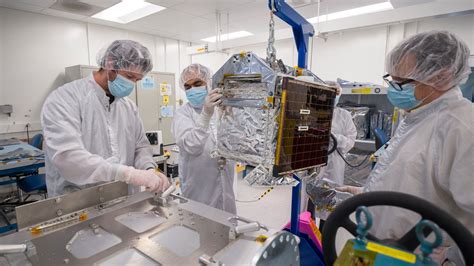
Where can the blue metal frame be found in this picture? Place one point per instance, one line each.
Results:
(8, 228)
(22, 169)
(302, 29)
(295, 207)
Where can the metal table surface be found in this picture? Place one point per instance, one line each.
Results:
(215, 231)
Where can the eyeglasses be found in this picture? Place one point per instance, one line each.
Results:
(396, 85)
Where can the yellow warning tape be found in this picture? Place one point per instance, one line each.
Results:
(391, 252)
(265, 193)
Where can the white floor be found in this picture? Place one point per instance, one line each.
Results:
(273, 209)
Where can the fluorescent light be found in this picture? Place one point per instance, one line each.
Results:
(353, 12)
(229, 36)
(128, 10)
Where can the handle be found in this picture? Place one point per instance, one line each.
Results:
(4, 249)
(246, 228)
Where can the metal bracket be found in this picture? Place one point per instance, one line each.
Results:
(48, 209)
(249, 226)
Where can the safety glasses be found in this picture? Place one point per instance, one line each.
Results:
(395, 84)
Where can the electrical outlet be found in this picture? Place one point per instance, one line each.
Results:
(6, 109)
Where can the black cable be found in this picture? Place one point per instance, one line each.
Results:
(350, 165)
(334, 145)
(334, 148)
(28, 132)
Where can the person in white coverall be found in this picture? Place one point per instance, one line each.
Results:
(93, 133)
(344, 130)
(204, 179)
(431, 154)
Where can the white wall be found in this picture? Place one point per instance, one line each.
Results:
(356, 55)
(462, 26)
(35, 49)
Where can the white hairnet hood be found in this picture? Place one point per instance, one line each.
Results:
(436, 58)
(126, 55)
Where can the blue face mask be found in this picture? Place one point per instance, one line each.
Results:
(196, 96)
(121, 86)
(404, 99)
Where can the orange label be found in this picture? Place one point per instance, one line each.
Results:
(315, 229)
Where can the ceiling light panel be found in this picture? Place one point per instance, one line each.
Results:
(128, 11)
(229, 36)
(353, 12)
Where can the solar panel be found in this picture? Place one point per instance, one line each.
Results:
(304, 126)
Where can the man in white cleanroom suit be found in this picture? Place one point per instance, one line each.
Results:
(204, 179)
(93, 133)
(431, 154)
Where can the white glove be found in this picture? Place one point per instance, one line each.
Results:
(151, 179)
(212, 100)
(351, 189)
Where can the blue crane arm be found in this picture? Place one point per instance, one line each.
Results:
(302, 29)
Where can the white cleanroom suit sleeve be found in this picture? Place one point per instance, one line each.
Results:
(62, 130)
(454, 164)
(143, 152)
(190, 136)
(346, 140)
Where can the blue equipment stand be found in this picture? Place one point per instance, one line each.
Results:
(16, 167)
(302, 30)
(295, 206)
(309, 253)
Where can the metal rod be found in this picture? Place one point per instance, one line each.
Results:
(4, 249)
